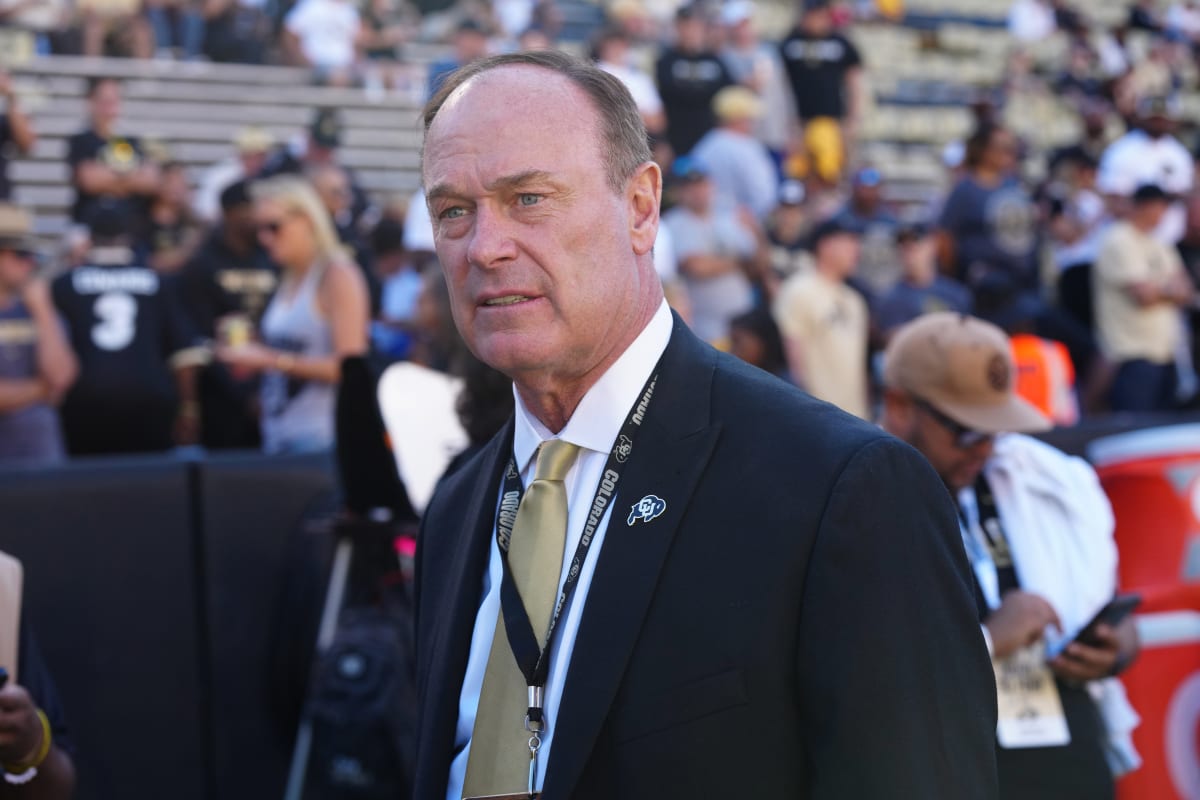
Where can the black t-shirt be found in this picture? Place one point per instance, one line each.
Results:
(125, 321)
(215, 282)
(687, 84)
(120, 153)
(6, 138)
(219, 281)
(817, 67)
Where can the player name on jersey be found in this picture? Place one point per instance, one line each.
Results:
(96, 280)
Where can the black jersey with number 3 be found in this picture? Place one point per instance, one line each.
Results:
(125, 322)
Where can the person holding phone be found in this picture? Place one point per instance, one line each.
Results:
(35, 748)
(1037, 530)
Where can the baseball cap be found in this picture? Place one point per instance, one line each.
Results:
(108, 219)
(736, 12)
(253, 139)
(791, 193)
(1156, 106)
(839, 223)
(235, 195)
(1150, 193)
(16, 229)
(688, 168)
(868, 176)
(963, 367)
(736, 102)
(326, 128)
(911, 232)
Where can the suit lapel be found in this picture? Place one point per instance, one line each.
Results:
(671, 452)
(451, 643)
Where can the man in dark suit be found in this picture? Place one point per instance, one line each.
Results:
(760, 596)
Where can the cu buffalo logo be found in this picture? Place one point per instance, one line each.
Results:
(998, 374)
(647, 509)
(623, 449)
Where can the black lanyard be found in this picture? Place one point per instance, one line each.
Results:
(533, 661)
(994, 536)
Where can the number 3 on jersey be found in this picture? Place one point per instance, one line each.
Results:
(117, 315)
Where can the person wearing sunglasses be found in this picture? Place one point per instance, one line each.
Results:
(37, 364)
(1038, 532)
(319, 315)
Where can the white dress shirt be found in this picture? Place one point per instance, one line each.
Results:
(594, 427)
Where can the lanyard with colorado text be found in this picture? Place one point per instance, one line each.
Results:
(994, 536)
(532, 660)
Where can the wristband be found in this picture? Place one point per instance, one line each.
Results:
(25, 771)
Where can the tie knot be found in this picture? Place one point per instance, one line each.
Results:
(554, 460)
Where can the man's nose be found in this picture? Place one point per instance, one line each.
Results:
(492, 243)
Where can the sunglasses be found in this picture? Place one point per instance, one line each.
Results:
(964, 438)
(273, 227)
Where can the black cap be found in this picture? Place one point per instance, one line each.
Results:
(234, 195)
(107, 220)
(387, 237)
(471, 25)
(911, 232)
(326, 128)
(833, 226)
(1150, 193)
(688, 11)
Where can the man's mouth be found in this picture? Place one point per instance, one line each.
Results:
(506, 300)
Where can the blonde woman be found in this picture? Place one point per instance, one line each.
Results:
(318, 316)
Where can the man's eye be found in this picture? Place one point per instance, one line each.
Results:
(454, 212)
(529, 199)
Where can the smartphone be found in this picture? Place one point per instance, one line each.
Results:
(1112, 615)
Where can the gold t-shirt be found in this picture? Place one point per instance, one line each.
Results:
(827, 320)
(1128, 331)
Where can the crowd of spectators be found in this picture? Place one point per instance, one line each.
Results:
(213, 308)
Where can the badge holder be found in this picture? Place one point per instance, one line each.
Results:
(1030, 710)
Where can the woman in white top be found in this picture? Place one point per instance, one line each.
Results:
(318, 316)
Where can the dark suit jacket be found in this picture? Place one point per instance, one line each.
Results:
(798, 623)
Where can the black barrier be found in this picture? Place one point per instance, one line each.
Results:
(111, 590)
(176, 599)
(264, 571)
(155, 587)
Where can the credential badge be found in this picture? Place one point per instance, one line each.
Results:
(623, 449)
(646, 509)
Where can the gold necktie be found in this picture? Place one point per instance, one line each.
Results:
(499, 759)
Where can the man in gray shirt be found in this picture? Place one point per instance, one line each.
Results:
(714, 249)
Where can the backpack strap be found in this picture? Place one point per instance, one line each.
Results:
(11, 579)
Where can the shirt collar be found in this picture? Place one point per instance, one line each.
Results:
(602, 411)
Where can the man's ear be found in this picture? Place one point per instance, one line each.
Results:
(644, 195)
(898, 412)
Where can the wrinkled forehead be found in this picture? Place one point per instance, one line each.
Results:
(506, 101)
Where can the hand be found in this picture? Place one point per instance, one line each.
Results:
(250, 357)
(1178, 290)
(20, 728)
(1145, 293)
(748, 221)
(1020, 621)
(1092, 661)
(6, 87)
(187, 425)
(36, 296)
